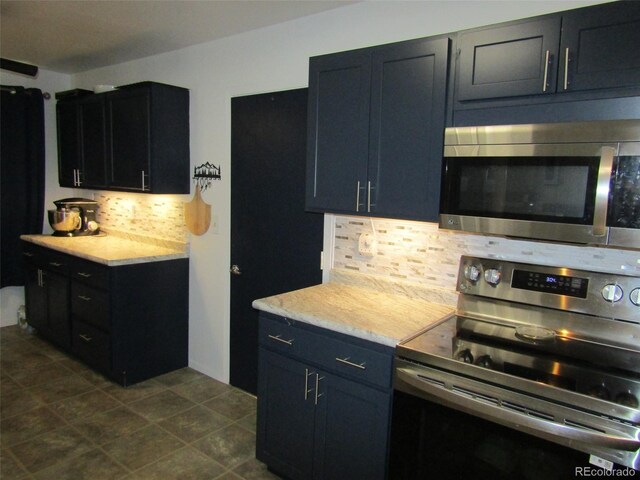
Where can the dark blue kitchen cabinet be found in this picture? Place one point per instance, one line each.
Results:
(376, 120)
(507, 61)
(600, 47)
(135, 138)
(82, 141)
(593, 48)
(338, 131)
(114, 319)
(324, 402)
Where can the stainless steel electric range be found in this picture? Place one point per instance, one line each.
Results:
(550, 355)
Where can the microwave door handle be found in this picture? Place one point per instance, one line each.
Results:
(602, 192)
(552, 430)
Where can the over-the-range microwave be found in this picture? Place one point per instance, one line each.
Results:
(565, 182)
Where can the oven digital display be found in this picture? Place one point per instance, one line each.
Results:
(550, 283)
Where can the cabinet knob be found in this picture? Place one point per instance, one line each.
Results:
(235, 270)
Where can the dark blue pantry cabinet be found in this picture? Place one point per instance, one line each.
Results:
(135, 138)
(128, 322)
(324, 402)
(375, 123)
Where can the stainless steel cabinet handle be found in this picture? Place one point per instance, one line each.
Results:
(318, 395)
(307, 374)
(86, 299)
(368, 196)
(40, 278)
(235, 269)
(75, 177)
(566, 68)
(358, 196)
(27, 254)
(85, 337)
(85, 275)
(79, 182)
(278, 338)
(546, 71)
(145, 187)
(346, 361)
(55, 264)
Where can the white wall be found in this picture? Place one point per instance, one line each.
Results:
(12, 297)
(272, 59)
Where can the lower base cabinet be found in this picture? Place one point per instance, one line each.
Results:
(324, 403)
(128, 322)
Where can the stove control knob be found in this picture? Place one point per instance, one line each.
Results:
(92, 225)
(472, 273)
(612, 293)
(492, 276)
(599, 391)
(627, 399)
(465, 356)
(634, 296)
(485, 361)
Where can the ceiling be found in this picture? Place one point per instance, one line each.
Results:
(71, 36)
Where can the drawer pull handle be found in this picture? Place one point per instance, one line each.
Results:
(346, 361)
(86, 299)
(85, 337)
(307, 374)
(279, 338)
(27, 254)
(55, 264)
(85, 275)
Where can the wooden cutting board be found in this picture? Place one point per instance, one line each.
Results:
(197, 214)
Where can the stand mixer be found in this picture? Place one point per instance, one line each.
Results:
(74, 217)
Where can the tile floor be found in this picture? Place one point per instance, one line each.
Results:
(60, 420)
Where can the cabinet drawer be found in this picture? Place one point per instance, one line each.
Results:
(328, 353)
(91, 345)
(90, 305)
(46, 258)
(91, 273)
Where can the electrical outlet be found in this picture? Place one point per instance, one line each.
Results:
(215, 226)
(367, 245)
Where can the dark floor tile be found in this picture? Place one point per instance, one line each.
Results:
(185, 464)
(194, 423)
(18, 401)
(142, 447)
(202, 390)
(108, 426)
(40, 374)
(249, 422)
(84, 405)
(229, 476)
(25, 426)
(50, 448)
(91, 465)
(230, 446)
(134, 392)
(234, 404)
(15, 359)
(61, 388)
(180, 376)
(255, 470)
(161, 405)
(9, 467)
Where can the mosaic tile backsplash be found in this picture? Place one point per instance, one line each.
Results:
(157, 216)
(422, 254)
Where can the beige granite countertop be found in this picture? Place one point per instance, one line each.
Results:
(110, 249)
(384, 318)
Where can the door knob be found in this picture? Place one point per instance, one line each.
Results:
(235, 269)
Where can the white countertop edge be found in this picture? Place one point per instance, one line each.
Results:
(101, 260)
(324, 323)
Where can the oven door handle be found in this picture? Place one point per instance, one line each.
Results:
(602, 191)
(511, 418)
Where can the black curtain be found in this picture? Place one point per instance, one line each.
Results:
(21, 174)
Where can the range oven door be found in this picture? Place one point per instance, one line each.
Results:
(449, 427)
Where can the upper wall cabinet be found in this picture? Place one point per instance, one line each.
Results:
(134, 139)
(600, 47)
(584, 49)
(376, 121)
